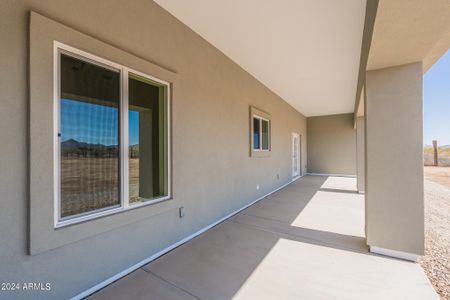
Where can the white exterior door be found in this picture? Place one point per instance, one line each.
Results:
(296, 155)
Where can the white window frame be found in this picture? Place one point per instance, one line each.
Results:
(124, 72)
(255, 116)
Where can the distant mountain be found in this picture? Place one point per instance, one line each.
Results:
(72, 144)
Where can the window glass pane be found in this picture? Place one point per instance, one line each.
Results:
(147, 130)
(265, 135)
(256, 134)
(89, 141)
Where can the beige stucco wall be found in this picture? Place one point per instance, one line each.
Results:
(394, 174)
(360, 139)
(213, 174)
(332, 145)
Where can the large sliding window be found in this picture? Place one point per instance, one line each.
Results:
(112, 137)
(89, 134)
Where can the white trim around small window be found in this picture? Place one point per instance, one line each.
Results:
(260, 133)
(115, 141)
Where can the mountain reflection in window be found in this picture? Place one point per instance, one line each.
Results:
(89, 142)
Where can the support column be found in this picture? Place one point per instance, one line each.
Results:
(394, 161)
(360, 168)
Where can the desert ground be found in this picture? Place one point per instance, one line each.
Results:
(443, 156)
(436, 261)
(88, 183)
(92, 183)
(133, 173)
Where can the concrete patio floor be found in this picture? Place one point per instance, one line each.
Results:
(305, 241)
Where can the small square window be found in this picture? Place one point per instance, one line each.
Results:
(260, 133)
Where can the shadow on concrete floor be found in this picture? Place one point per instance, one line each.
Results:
(304, 241)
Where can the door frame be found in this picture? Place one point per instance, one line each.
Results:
(299, 155)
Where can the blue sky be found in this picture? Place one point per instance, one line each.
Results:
(94, 124)
(436, 102)
(133, 127)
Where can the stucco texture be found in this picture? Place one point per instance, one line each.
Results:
(212, 172)
(360, 149)
(332, 145)
(394, 159)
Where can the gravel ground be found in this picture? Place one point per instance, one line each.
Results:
(436, 261)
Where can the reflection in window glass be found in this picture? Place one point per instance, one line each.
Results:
(256, 135)
(147, 132)
(265, 134)
(89, 136)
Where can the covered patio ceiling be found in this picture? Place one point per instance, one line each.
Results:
(408, 31)
(306, 51)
